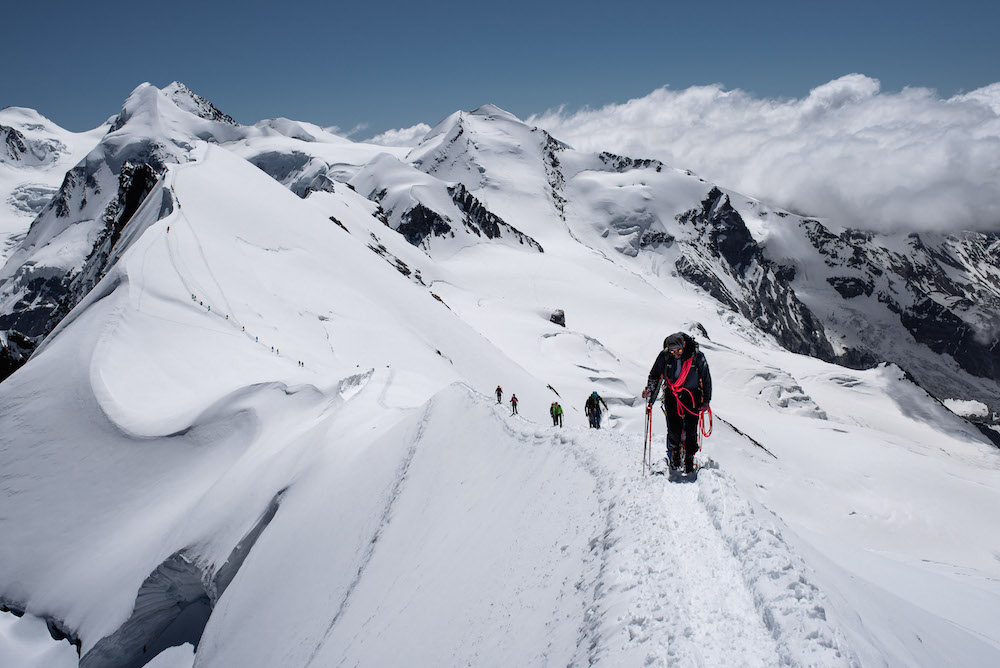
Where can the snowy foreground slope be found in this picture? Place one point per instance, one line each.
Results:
(269, 432)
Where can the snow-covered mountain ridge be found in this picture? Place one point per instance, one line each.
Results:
(261, 370)
(35, 155)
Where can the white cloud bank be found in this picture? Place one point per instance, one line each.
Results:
(402, 137)
(884, 161)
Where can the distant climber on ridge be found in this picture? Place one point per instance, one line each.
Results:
(499, 395)
(556, 411)
(513, 404)
(593, 409)
(683, 371)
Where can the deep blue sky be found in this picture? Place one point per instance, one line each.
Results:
(395, 64)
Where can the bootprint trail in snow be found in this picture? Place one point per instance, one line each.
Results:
(689, 575)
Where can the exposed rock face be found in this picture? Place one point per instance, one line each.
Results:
(851, 287)
(16, 149)
(941, 290)
(945, 292)
(135, 182)
(189, 101)
(13, 144)
(97, 200)
(725, 260)
(15, 353)
(44, 295)
(557, 182)
(621, 163)
(420, 223)
(558, 317)
(480, 221)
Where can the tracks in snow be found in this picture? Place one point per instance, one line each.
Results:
(688, 574)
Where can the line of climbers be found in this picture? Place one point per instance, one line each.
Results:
(592, 408)
(681, 370)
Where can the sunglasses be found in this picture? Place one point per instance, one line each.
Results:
(674, 351)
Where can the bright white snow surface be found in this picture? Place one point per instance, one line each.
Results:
(250, 363)
(29, 180)
(967, 408)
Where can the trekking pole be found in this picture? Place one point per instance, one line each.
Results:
(645, 443)
(647, 451)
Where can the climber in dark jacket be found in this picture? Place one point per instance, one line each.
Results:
(683, 372)
(592, 407)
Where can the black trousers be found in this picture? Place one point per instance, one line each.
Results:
(686, 421)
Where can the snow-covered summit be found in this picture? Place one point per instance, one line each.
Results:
(493, 112)
(189, 101)
(174, 112)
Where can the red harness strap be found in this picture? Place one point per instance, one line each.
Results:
(677, 387)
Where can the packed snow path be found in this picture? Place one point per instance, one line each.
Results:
(598, 563)
(690, 575)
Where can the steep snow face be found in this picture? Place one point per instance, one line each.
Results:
(303, 156)
(507, 165)
(25, 641)
(439, 217)
(35, 154)
(71, 242)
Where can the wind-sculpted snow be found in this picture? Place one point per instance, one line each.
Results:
(780, 391)
(462, 524)
(587, 562)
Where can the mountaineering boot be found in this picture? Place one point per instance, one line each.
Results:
(675, 457)
(689, 464)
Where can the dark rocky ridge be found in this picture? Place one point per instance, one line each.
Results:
(621, 163)
(553, 172)
(41, 295)
(187, 99)
(13, 143)
(946, 293)
(48, 294)
(420, 223)
(724, 243)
